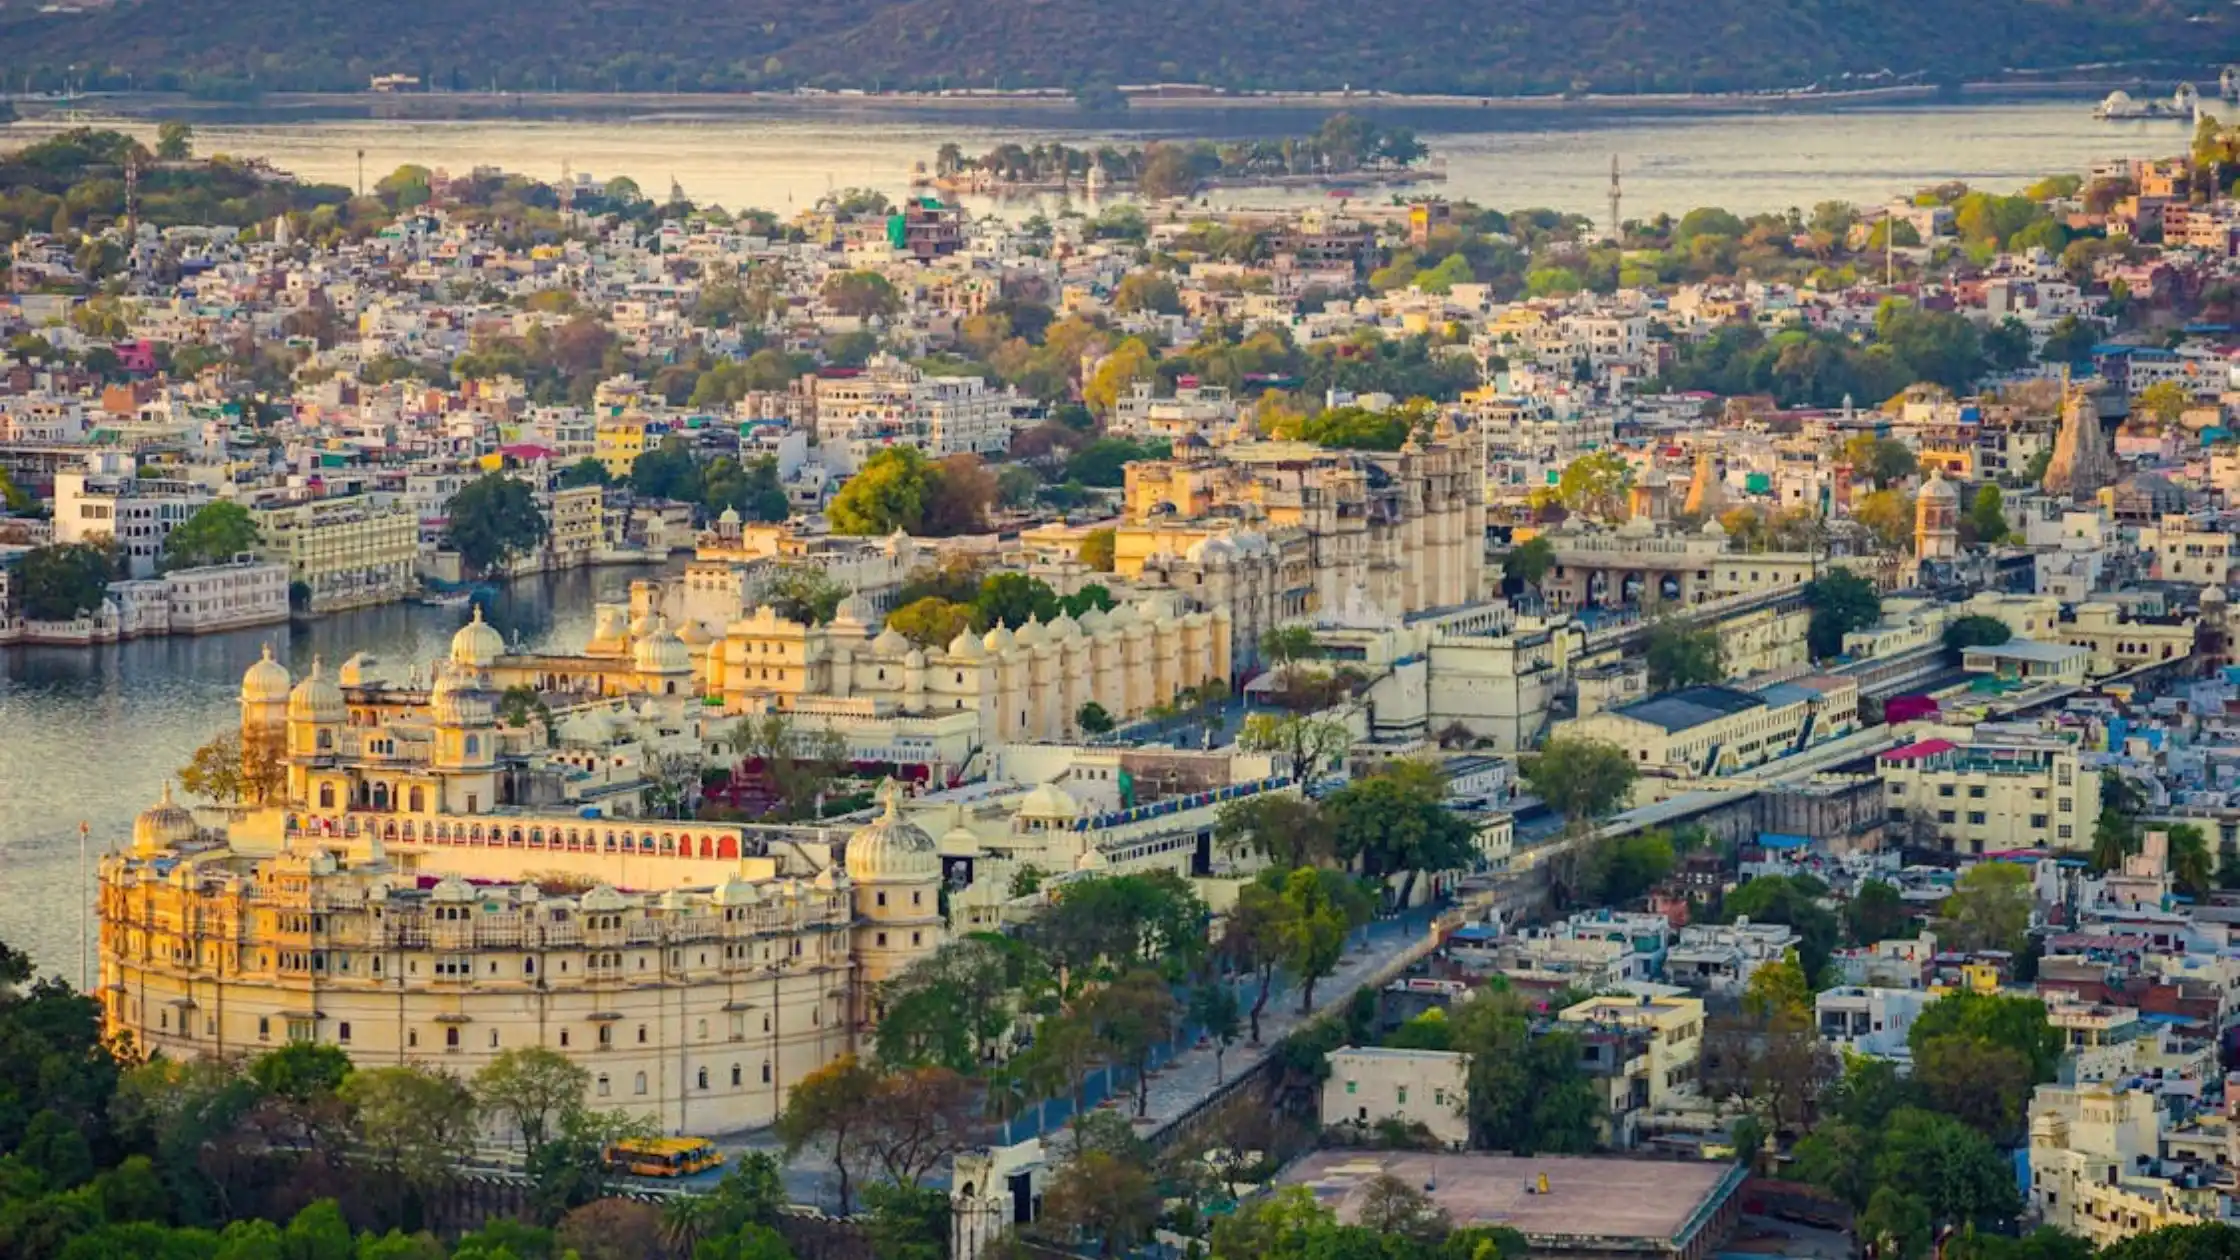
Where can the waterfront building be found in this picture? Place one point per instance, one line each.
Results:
(105, 497)
(349, 550)
(420, 883)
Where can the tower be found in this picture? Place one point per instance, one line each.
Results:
(894, 877)
(1706, 498)
(2082, 464)
(1617, 225)
(1936, 520)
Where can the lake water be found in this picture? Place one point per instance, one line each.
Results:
(89, 735)
(1513, 158)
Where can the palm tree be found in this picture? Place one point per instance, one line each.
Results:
(685, 1220)
(2192, 868)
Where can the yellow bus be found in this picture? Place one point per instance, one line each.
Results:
(663, 1157)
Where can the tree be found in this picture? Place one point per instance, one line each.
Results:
(831, 1106)
(915, 1120)
(1011, 600)
(531, 1088)
(1581, 779)
(1841, 602)
(494, 518)
(1133, 1016)
(1527, 563)
(521, 704)
(1889, 514)
(1974, 631)
(216, 533)
(2191, 863)
(959, 494)
(223, 772)
(1952, 1170)
(888, 493)
(2162, 402)
(1290, 831)
(907, 1222)
(1092, 719)
(585, 472)
(932, 623)
(1989, 908)
(2017, 1023)
(1977, 1081)
(1987, 515)
(1396, 820)
(1321, 906)
(1778, 988)
(611, 1229)
(1097, 549)
(1147, 291)
(63, 581)
(1311, 743)
(408, 1121)
(1099, 1196)
(1523, 1092)
(1622, 868)
(1681, 657)
(803, 594)
(668, 471)
(861, 294)
(300, 1071)
(1876, 912)
(1595, 485)
(1219, 1017)
(174, 140)
(1129, 362)
(1392, 1207)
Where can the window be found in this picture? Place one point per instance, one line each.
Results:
(1944, 815)
(563, 1039)
(2038, 820)
(342, 1032)
(2067, 831)
(766, 1071)
(450, 1038)
(1975, 818)
(606, 1035)
(703, 1078)
(882, 940)
(606, 1087)
(1944, 789)
(1975, 792)
(881, 899)
(638, 1085)
(1401, 1095)
(1352, 1086)
(738, 1077)
(641, 1034)
(264, 1028)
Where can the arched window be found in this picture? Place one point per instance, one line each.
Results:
(738, 1078)
(639, 1085)
(326, 796)
(766, 1071)
(703, 1078)
(419, 799)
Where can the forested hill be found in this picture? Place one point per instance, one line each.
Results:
(232, 47)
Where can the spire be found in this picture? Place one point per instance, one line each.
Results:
(2081, 463)
(1705, 497)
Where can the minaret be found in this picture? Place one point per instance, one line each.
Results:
(1936, 519)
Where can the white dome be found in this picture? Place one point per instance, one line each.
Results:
(452, 890)
(1049, 802)
(1936, 487)
(692, 634)
(661, 652)
(737, 892)
(1211, 551)
(478, 643)
(1065, 627)
(1031, 633)
(266, 682)
(890, 643)
(1094, 621)
(604, 898)
(892, 847)
(317, 699)
(965, 647)
(853, 610)
(998, 639)
(164, 825)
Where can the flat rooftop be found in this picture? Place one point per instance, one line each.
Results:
(1635, 1204)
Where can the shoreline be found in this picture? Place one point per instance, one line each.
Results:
(286, 107)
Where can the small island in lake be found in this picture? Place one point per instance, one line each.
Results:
(1346, 151)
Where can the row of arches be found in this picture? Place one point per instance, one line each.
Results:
(664, 843)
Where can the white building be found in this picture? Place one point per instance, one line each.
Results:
(894, 404)
(105, 498)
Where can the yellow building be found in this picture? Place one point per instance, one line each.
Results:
(618, 441)
(351, 550)
(578, 518)
(1992, 797)
(1675, 1029)
(2120, 643)
(2187, 551)
(2089, 1148)
(391, 898)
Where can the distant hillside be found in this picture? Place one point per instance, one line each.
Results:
(224, 47)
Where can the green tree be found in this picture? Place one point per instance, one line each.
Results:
(301, 1071)
(1595, 485)
(1147, 291)
(1093, 720)
(1528, 562)
(2162, 402)
(1524, 1091)
(1876, 912)
(530, 1089)
(63, 581)
(2017, 1023)
(1778, 988)
(1841, 602)
(1322, 907)
(1101, 1200)
(1682, 657)
(1989, 908)
(409, 1121)
(217, 532)
(831, 1106)
(174, 140)
(1794, 902)
(888, 493)
(1988, 514)
(584, 472)
(798, 767)
(1974, 631)
(861, 294)
(1396, 820)
(1132, 1017)
(2192, 865)
(932, 623)
(803, 594)
(1010, 599)
(494, 519)
(1581, 779)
